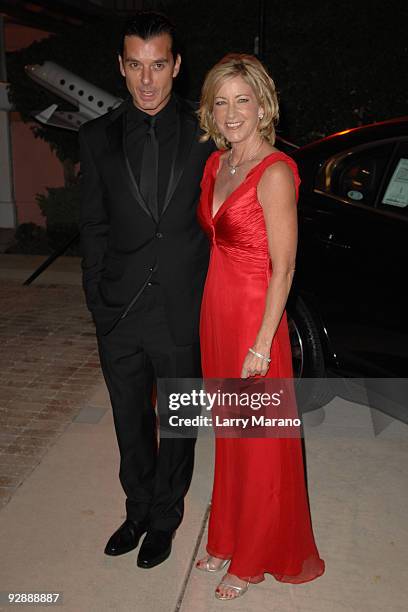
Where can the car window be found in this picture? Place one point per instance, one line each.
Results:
(355, 176)
(395, 194)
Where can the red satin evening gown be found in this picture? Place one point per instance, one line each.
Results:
(259, 513)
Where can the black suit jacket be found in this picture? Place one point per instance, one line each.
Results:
(122, 244)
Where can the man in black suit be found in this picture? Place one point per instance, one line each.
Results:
(144, 264)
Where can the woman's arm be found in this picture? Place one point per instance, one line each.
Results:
(277, 196)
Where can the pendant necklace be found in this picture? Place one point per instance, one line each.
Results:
(233, 167)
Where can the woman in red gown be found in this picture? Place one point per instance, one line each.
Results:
(259, 521)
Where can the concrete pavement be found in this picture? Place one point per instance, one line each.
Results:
(55, 525)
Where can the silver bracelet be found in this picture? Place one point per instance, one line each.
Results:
(268, 359)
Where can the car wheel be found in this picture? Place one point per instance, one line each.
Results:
(308, 357)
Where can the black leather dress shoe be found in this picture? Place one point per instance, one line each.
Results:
(155, 548)
(125, 538)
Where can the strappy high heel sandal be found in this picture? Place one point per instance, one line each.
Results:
(239, 590)
(207, 565)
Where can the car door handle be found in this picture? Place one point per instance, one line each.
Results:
(330, 241)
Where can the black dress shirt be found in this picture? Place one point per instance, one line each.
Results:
(136, 129)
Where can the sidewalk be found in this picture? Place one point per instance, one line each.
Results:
(54, 525)
(48, 362)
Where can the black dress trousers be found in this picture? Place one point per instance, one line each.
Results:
(155, 477)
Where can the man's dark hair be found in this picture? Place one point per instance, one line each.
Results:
(146, 25)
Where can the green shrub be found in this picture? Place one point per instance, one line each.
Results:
(29, 239)
(32, 239)
(59, 234)
(61, 205)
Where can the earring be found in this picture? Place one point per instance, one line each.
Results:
(260, 116)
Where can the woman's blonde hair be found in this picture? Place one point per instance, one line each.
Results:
(254, 73)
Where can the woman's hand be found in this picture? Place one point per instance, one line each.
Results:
(254, 365)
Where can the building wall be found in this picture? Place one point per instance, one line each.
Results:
(35, 166)
(19, 36)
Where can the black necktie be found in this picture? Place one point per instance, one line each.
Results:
(149, 173)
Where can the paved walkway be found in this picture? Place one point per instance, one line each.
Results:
(48, 367)
(62, 498)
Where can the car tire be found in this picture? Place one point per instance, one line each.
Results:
(308, 358)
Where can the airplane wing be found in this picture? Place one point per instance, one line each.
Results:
(62, 119)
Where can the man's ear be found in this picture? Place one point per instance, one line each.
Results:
(121, 67)
(177, 64)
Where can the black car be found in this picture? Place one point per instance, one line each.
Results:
(349, 302)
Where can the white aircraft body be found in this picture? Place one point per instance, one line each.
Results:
(90, 100)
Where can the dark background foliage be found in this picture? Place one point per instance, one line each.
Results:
(336, 64)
